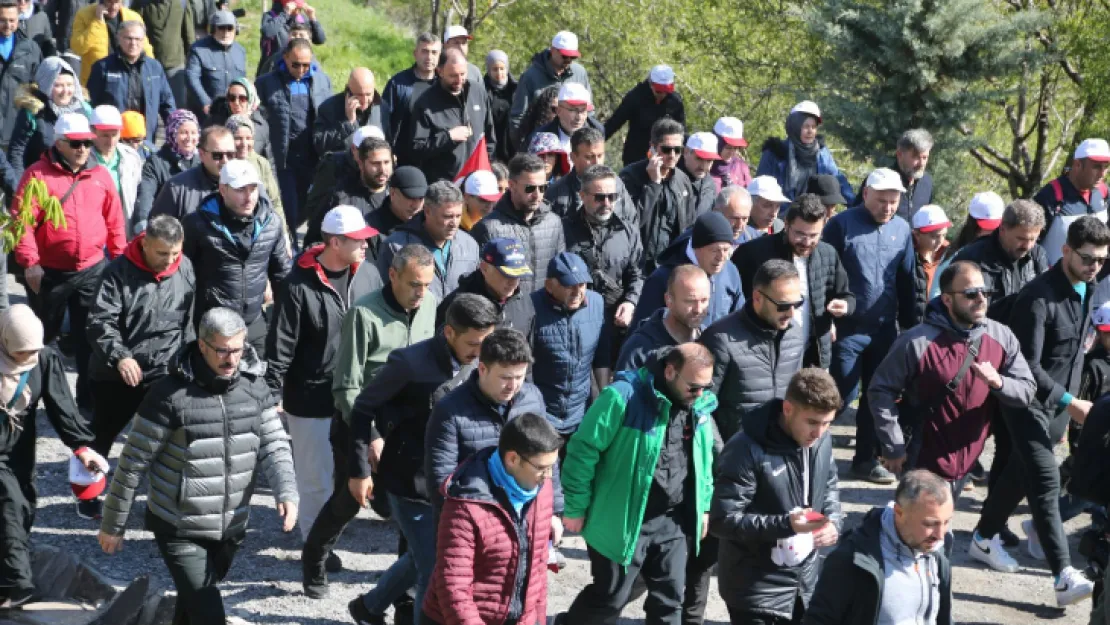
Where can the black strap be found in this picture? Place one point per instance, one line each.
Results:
(972, 353)
(71, 189)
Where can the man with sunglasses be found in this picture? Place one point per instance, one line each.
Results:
(586, 149)
(1051, 319)
(638, 479)
(524, 215)
(215, 61)
(62, 266)
(924, 389)
(132, 80)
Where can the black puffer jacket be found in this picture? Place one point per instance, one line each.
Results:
(462, 260)
(139, 314)
(666, 210)
(752, 364)
(542, 236)
(640, 111)
(613, 253)
(827, 281)
(157, 170)
(227, 274)
(19, 69)
(516, 313)
(200, 437)
(303, 341)
(760, 479)
(1002, 274)
(705, 190)
(435, 113)
(500, 102)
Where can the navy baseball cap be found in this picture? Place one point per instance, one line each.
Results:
(508, 256)
(569, 269)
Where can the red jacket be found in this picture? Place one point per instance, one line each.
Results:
(477, 552)
(94, 219)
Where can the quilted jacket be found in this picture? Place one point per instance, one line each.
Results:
(567, 346)
(542, 236)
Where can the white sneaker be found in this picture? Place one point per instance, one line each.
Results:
(1033, 542)
(991, 553)
(1073, 587)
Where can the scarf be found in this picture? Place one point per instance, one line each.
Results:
(252, 95)
(235, 122)
(20, 330)
(501, 478)
(176, 119)
(803, 157)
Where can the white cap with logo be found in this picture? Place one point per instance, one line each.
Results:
(483, 184)
(883, 179)
(347, 221)
(767, 188)
(238, 174)
(731, 131)
(704, 145)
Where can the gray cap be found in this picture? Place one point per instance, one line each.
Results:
(222, 18)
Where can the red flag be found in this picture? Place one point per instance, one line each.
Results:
(478, 159)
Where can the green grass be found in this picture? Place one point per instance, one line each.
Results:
(357, 35)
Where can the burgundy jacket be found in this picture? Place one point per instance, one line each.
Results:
(477, 552)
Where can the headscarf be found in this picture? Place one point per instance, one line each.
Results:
(543, 143)
(803, 165)
(252, 95)
(47, 73)
(20, 330)
(235, 122)
(176, 119)
(498, 56)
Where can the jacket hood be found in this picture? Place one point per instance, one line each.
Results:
(653, 327)
(675, 254)
(134, 253)
(471, 480)
(937, 315)
(250, 364)
(310, 260)
(762, 425)
(779, 148)
(29, 98)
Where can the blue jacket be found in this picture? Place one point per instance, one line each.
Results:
(211, 68)
(275, 32)
(567, 346)
(880, 263)
(108, 84)
(273, 91)
(774, 162)
(726, 291)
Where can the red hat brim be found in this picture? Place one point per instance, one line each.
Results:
(663, 88)
(736, 142)
(85, 492)
(989, 224)
(362, 234)
(935, 227)
(79, 136)
(569, 53)
(706, 154)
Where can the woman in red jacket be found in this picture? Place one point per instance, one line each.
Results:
(491, 551)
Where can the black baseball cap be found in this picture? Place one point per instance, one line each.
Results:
(410, 181)
(826, 186)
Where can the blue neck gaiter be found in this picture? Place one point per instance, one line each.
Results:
(501, 478)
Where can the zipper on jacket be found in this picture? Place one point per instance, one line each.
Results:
(227, 467)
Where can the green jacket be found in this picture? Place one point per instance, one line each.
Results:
(169, 26)
(371, 329)
(611, 461)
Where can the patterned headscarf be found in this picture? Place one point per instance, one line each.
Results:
(547, 143)
(176, 119)
(252, 95)
(235, 122)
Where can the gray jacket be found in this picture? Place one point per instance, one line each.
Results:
(752, 364)
(199, 437)
(211, 67)
(539, 76)
(462, 260)
(542, 236)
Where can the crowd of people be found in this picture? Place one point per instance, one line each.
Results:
(265, 274)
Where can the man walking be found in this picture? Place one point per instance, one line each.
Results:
(1079, 192)
(685, 305)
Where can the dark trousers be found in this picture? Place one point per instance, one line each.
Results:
(699, 574)
(1031, 473)
(855, 359)
(114, 405)
(256, 335)
(196, 566)
(73, 291)
(1002, 448)
(294, 183)
(17, 514)
(660, 558)
(751, 618)
(340, 509)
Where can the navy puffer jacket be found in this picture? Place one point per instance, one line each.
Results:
(273, 91)
(565, 347)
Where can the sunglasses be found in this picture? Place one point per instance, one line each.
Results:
(696, 388)
(975, 292)
(669, 149)
(532, 188)
(606, 197)
(222, 156)
(1089, 260)
(784, 306)
(237, 98)
(78, 144)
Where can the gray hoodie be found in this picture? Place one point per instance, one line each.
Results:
(911, 592)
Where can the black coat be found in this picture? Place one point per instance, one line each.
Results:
(18, 70)
(541, 236)
(159, 168)
(331, 130)
(613, 253)
(516, 313)
(751, 508)
(647, 337)
(227, 274)
(565, 202)
(48, 384)
(218, 114)
(640, 110)
(827, 281)
(850, 589)
(705, 190)
(666, 210)
(435, 114)
(500, 102)
(303, 341)
(38, 28)
(1002, 274)
(136, 315)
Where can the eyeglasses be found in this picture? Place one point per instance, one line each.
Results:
(238, 98)
(784, 306)
(544, 471)
(575, 110)
(974, 292)
(669, 149)
(224, 352)
(532, 188)
(79, 144)
(606, 197)
(221, 156)
(1089, 260)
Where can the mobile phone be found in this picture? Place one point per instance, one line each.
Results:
(814, 516)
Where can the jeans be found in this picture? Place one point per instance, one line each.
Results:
(855, 359)
(1031, 473)
(196, 566)
(416, 520)
(73, 291)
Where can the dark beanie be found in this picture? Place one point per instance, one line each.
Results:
(711, 227)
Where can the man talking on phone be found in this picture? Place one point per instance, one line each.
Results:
(776, 502)
(342, 114)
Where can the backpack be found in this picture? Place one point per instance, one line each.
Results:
(1058, 194)
(1090, 473)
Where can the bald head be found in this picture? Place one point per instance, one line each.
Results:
(452, 70)
(361, 89)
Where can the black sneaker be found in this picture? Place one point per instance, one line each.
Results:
(91, 509)
(873, 472)
(17, 598)
(979, 475)
(1009, 539)
(404, 613)
(333, 564)
(315, 579)
(357, 609)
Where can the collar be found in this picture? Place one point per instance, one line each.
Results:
(690, 252)
(111, 164)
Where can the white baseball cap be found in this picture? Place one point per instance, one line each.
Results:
(455, 31)
(483, 184)
(74, 126)
(107, 117)
(767, 188)
(731, 131)
(986, 209)
(662, 78)
(704, 145)
(347, 221)
(238, 174)
(930, 218)
(808, 107)
(883, 179)
(575, 94)
(1101, 318)
(566, 43)
(364, 133)
(1094, 149)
